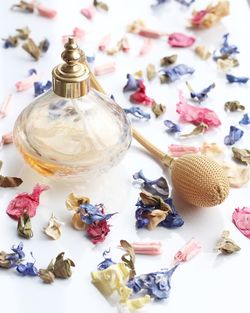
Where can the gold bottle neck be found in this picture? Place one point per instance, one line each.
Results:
(72, 78)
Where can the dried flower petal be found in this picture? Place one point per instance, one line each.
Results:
(226, 64)
(24, 228)
(24, 6)
(226, 245)
(151, 71)
(173, 219)
(146, 47)
(136, 26)
(25, 202)
(105, 68)
(33, 50)
(140, 97)
(180, 40)
(138, 113)
(242, 155)
(211, 149)
(245, 120)
(175, 73)
(44, 45)
(202, 95)
(156, 284)
(73, 201)
(168, 60)
(150, 33)
(171, 126)
(132, 83)
(158, 109)
(61, 267)
(233, 106)
(129, 258)
(23, 33)
(196, 115)
(77, 222)
(234, 79)
(147, 248)
(241, 219)
(39, 88)
(198, 130)
(180, 150)
(27, 269)
(237, 175)
(53, 229)
(191, 249)
(106, 263)
(88, 12)
(202, 52)
(27, 82)
(234, 135)
(46, 12)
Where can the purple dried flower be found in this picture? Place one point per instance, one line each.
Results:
(173, 219)
(202, 95)
(234, 79)
(132, 83)
(172, 127)
(137, 112)
(40, 88)
(174, 73)
(107, 261)
(32, 71)
(234, 135)
(93, 213)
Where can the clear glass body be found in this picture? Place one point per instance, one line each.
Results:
(72, 137)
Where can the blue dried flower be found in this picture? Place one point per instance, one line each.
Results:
(158, 187)
(93, 213)
(27, 269)
(158, 2)
(40, 88)
(245, 120)
(202, 95)
(156, 284)
(132, 83)
(18, 254)
(44, 45)
(173, 219)
(137, 112)
(234, 79)
(234, 135)
(107, 261)
(171, 127)
(226, 48)
(175, 73)
(32, 71)
(140, 214)
(90, 58)
(187, 3)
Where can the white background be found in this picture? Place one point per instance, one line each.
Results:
(208, 283)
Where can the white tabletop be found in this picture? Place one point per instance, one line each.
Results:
(208, 283)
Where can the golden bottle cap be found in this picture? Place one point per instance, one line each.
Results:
(71, 79)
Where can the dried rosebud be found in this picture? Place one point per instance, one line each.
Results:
(32, 49)
(24, 228)
(62, 268)
(101, 5)
(169, 60)
(226, 245)
(233, 106)
(151, 71)
(47, 276)
(158, 109)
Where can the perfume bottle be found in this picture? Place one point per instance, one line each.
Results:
(72, 130)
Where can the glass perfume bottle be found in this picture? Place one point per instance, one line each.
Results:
(72, 130)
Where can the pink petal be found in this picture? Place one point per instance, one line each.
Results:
(241, 219)
(7, 138)
(179, 150)
(149, 248)
(5, 106)
(88, 12)
(104, 42)
(150, 33)
(125, 44)
(79, 33)
(180, 40)
(26, 83)
(196, 115)
(105, 68)
(191, 249)
(46, 12)
(198, 17)
(146, 47)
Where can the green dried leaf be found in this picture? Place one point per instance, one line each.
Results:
(101, 5)
(129, 257)
(198, 130)
(62, 268)
(158, 109)
(23, 33)
(151, 71)
(24, 228)
(166, 61)
(233, 106)
(226, 245)
(32, 49)
(242, 155)
(156, 201)
(24, 6)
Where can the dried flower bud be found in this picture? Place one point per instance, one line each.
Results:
(47, 276)
(62, 268)
(198, 130)
(151, 71)
(166, 61)
(101, 5)
(10, 42)
(202, 52)
(242, 155)
(226, 245)
(4, 262)
(24, 6)
(32, 49)
(158, 109)
(233, 106)
(24, 228)
(23, 33)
